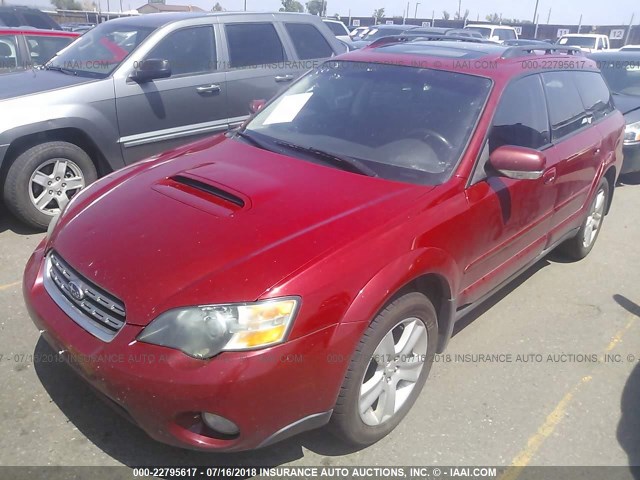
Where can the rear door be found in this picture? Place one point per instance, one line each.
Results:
(508, 219)
(163, 113)
(576, 152)
(258, 64)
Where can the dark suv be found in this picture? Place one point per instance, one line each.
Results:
(18, 16)
(307, 268)
(133, 87)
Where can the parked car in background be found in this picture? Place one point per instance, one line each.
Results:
(496, 33)
(22, 48)
(77, 27)
(589, 42)
(307, 268)
(338, 28)
(621, 70)
(133, 87)
(459, 32)
(630, 48)
(380, 31)
(358, 32)
(18, 16)
(525, 42)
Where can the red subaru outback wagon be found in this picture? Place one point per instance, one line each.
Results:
(305, 269)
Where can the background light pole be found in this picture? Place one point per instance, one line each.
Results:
(535, 11)
(414, 16)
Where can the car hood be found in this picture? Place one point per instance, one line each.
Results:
(27, 82)
(222, 222)
(626, 103)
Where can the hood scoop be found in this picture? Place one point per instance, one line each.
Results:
(209, 188)
(203, 194)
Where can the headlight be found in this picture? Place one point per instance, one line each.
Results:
(207, 330)
(632, 133)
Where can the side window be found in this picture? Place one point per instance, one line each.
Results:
(189, 51)
(565, 105)
(308, 41)
(8, 52)
(9, 19)
(37, 21)
(252, 44)
(594, 92)
(42, 49)
(521, 117)
(505, 34)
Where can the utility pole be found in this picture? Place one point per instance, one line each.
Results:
(245, 5)
(626, 40)
(535, 11)
(459, 8)
(580, 23)
(549, 16)
(406, 14)
(414, 16)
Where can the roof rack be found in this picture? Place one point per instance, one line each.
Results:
(522, 50)
(405, 38)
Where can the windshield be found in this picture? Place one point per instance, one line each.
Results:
(622, 76)
(406, 124)
(585, 42)
(484, 31)
(99, 51)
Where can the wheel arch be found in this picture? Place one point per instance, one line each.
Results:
(430, 271)
(610, 175)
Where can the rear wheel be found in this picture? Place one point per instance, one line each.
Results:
(387, 371)
(43, 179)
(581, 244)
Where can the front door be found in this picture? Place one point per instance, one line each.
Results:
(160, 114)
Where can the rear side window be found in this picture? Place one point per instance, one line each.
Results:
(337, 28)
(521, 118)
(8, 53)
(308, 41)
(594, 92)
(42, 49)
(253, 44)
(565, 105)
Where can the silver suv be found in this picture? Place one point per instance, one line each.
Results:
(133, 87)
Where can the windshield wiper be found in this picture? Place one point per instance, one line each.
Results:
(66, 71)
(251, 139)
(345, 163)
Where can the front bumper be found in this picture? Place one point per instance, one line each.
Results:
(631, 162)
(270, 393)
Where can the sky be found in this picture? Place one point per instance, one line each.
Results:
(595, 12)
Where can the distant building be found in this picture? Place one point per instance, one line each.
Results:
(161, 7)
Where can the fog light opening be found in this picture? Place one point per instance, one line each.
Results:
(220, 424)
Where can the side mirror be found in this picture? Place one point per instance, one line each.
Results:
(151, 69)
(256, 105)
(519, 163)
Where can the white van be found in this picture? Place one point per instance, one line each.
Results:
(496, 33)
(589, 42)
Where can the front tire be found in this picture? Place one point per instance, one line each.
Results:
(387, 371)
(42, 180)
(580, 245)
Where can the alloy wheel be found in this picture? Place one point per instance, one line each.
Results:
(53, 183)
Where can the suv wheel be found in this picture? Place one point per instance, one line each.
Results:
(42, 180)
(581, 244)
(387, 371)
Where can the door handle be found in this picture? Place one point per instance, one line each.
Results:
(284, 78)
(549, 176)
(208, 89)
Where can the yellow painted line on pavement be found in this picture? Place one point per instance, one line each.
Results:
(9, 285)
(555, 417)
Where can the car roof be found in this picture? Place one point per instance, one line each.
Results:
(484, 59)
(36, 31)
(620, 55)
(488, 25)
(164, 18)
(586, 35)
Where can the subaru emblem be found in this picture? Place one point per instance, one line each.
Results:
(75, 290)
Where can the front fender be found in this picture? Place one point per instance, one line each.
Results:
(402, 271)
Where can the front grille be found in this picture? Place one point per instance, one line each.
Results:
(97, 311)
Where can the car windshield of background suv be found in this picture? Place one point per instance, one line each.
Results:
(622, 77)
(404, 123)
(99, 51)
